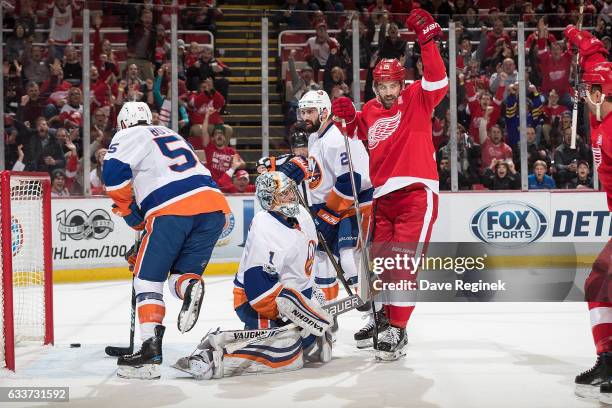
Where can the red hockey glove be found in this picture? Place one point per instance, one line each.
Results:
(423, 24)
(343, 108)
(587, 44)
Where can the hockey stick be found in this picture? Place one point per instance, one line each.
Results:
(364, 252)
(576, 82)
(115, 351)
(323, 243)
(335, 308)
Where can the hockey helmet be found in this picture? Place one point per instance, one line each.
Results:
(299, 137)
(389, 70)
(318, 100)
(134, 113)
(276, 192)
(599, 74)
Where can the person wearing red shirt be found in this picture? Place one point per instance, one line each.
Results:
(483, 106)
(553, 112)
(403, 170)
(199, 103)
(220, 158)
(494, 35)
(597, 75)
(239, 184)
(555, 66)
(492, 146)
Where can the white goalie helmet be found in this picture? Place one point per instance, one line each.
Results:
(134, 113)
(318, 100)
(276, 192)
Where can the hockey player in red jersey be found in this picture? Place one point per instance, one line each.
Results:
(597, 76)
(397, 126)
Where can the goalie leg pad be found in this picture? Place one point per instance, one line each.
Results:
(302, 311)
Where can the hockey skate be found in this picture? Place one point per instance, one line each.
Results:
(192, 302)
(363, 337)
(144, 364)
(392, 344)
(589, 382)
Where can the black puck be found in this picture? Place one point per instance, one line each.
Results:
(75, 345)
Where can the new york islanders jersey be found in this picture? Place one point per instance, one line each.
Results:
(328, 163)
(160, 170)
(283, 250)
(400, 138)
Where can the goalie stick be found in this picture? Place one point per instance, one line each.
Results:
(116, 351)
(577, 82)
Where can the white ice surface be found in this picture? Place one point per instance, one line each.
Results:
(460, 355)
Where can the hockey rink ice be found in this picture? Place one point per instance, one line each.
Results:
(459, 355)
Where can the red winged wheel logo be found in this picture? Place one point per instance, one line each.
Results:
(382, 129)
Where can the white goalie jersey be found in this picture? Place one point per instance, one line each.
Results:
(281, 248)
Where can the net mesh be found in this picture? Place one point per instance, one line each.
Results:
(28, 260)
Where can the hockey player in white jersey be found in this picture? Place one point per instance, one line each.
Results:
(272, 289)
(330, 191)
(158, 184)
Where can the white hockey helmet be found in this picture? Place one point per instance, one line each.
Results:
(276, 192)
(318, 100)
(134, 113)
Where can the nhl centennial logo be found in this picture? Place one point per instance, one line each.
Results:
(77, 224)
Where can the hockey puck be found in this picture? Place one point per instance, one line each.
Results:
(75, 345)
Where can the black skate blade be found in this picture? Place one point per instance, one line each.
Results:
(118, 351)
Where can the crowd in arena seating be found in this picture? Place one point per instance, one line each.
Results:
(487, 80)
(43, 79)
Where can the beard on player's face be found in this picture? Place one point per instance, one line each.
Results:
(312, 126)
(388, 101)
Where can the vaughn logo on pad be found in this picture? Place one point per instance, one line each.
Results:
(511, 223)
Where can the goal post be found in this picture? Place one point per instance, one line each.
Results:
(26, 291)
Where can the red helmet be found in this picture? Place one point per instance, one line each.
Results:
(389, 70)
(599, 74)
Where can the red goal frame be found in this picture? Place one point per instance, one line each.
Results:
(7, 261)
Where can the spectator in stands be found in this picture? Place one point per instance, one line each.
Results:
(345, 39)
(391, 45)
(70, 114)
(239, 184)
(493, 148)
(471, 20)
(501, 175)
(11, 97)
(204, 108)
(300, 84)
(31, 105)
(553, 112)
(497, 33)
(162, 47)
(334, 83)
(34, 68)
(203, 16)
(73, 71)
(135, 85)
(42, 150)
(555, 66)
(293, 14)
(468, 156)
(318, 48)
(583, 178)
(482, 107)
(142, 37)
(95, 176)
(377, 27)
(506, 73)
(220, 158)
(539, 180)
(400, 10)
(60, 32)
(566, 158)
(200, 66)
(101, 120)
(444, 175)
(15, 44)
(103, 55)
(535, 151)
(164, 103)
(58, 184)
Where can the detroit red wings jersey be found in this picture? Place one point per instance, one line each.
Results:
(400, 138)
(601, 134)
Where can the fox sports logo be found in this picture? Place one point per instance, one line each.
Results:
(509, 224)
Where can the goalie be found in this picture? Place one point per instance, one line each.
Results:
(272, 294)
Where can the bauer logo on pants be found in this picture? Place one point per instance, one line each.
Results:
(509, 224)
(77, 224)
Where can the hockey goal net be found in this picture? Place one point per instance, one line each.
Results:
(25, 238)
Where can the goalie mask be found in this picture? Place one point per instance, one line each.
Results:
(276, 192)
(318, 100)
(133, 114)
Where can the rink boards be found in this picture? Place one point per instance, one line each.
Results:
(89, 241)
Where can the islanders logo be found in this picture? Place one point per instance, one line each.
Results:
(225, 238)
(316, 175)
